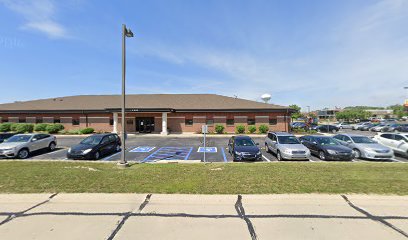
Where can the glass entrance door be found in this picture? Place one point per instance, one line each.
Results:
(145, 124)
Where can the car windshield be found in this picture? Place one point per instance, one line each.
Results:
(326, 141)
(288, 140)
(244, 142)
(92, 140)
(362, 140)
(19, 138)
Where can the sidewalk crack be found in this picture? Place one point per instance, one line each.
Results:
(373, 217)
(241, 213)
(127, 215)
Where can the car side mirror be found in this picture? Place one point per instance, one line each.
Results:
(349, 141)
(34, 139)
(315, 143)
(257, 143)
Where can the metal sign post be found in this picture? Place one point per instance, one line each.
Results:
(204, 130)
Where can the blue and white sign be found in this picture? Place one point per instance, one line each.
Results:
(207, 149)
(142, 149)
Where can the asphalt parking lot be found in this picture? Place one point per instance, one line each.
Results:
(147, 149)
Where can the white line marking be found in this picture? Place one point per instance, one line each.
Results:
(266, 158)
(109, 157)
(52, 152)
(396, 160)
(311, 160)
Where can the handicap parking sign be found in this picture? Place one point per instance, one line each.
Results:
(142, 149)
(207, 149)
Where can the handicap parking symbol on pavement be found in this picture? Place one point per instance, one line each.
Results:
(207, 149)
(142, 149)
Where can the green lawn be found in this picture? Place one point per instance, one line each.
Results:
(260, 178)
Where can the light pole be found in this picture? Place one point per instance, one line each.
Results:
(125, 33)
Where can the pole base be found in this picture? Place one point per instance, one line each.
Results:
(123, 165)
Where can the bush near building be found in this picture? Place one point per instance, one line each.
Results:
(24, 128)
(5, 127)
(54, 128)
(87, 131)
(219, 129)
(41, 127)
(240, 129)
(263, 128)
(251, 128)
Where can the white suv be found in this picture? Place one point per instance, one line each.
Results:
(396, 141)
(21, 145)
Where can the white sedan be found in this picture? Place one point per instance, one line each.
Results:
(396, 141)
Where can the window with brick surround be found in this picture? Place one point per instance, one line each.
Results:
(38, 120)
(230, 122)
(273, 121)
(189, 122)
(57, 120)
(210, 122)
(251, 121)
(21, 120)
(75, 121)
(111, 121)
(4, 120)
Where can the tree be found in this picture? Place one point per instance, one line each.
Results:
(352, 114)
(398, 110)
(297, 114)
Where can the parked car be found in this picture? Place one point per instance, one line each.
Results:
(357, 126)
(344, 125)
(243, 148)
(365, 147)
(378, 127)
(327, 148)
(21, 145)
(95, 146)
(286, 146)
(327, 128)
(367, 127)
(5, 136)
(301, 125)
(390, 128)
(398, 142)
(402, 128)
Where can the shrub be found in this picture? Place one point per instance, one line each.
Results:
(240, 129)
(5, 127)
(219, 129)
(42, 127)
(54, 128)
(263, 128)
(13, 127)
(24, 127)
(87, 130)
(75, 132)
(251, 128)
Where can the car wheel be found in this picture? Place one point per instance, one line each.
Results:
(23, 154)
(97, 155)
(322, 156)
(279, 156)
(52, 146)
(117, 148)
(357, 153)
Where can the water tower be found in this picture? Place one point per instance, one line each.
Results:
(266, 97)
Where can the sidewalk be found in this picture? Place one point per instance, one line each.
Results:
(146, 216)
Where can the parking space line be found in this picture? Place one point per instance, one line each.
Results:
(223, 154)
(188, 154)
(49, 152)
(268, 160)
(111, 156)
(396, 160)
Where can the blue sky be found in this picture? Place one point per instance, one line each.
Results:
(318, 53)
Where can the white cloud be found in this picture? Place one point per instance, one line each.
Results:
(366, 63)
(39, 16)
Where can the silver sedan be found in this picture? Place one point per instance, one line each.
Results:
(365, 147)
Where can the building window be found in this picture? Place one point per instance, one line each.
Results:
(129, 121)
(75, 121)
(38, 120)
(4, 120)
(273, 121)
(230, 122)
(21, 120)
(251, 121)
(57, 120)
(111, 121)
(210, 122)
(189, 122)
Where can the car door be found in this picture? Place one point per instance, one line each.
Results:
(35, 143)
(231, 146)
(399, 143)
(274, 143)
(386, 140)
(112, 143)
(44, 141)
(104, 145)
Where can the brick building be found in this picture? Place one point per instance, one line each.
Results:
(159, 113)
